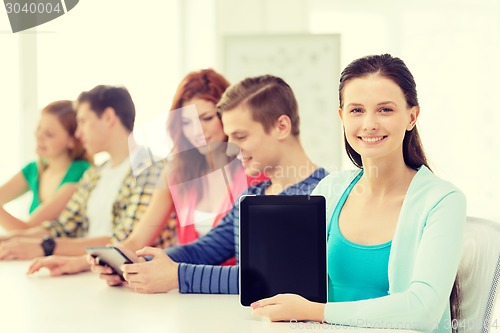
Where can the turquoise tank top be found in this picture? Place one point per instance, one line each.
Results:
(355, 272)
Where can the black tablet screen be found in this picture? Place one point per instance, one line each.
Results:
(283, 247)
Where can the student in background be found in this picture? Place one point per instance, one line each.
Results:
(109, 200)
(199, 149)
(52, 179)
(395, 229)
(260, 115)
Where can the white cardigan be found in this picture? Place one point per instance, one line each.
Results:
(423, 260)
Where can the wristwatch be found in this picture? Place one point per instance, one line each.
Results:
(48, 245)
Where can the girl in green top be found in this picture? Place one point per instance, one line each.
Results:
(52, 179)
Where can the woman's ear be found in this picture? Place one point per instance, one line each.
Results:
(414, 112)
(340, 114)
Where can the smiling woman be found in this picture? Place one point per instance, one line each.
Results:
(371, 127)
(51, 179)
(394, 228)
(394, 91)
(199, 151)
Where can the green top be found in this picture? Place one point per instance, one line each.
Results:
(73, 175)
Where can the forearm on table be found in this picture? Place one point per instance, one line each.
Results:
(316, 312)
(83, 264)
(77, 246)
(9, 222)
(208, 279)
(35, 232)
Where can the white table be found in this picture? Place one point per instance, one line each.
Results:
(84, 303)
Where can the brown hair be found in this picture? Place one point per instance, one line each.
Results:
(187, 162)
(267, 97)
(395, 70)
(118, 98)
(66, 115)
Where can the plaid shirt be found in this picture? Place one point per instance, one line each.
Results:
(130, 204)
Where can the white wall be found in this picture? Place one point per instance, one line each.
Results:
(12, 133)
(453, 51)
(9, 85)
(198, 28)
(285, 57)
(451, 46)
(117, 42)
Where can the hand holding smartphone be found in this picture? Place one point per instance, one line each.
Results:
(110, 256)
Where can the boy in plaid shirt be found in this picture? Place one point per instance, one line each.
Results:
(109, 199)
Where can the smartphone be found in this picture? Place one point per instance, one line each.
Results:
(110, 256)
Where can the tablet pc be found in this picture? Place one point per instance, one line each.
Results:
(110, 256)
(283, 247)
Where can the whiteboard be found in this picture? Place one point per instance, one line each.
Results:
(310, 64)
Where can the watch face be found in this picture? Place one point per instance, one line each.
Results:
(48, 245)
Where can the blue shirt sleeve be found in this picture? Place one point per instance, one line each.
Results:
(208, 279)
